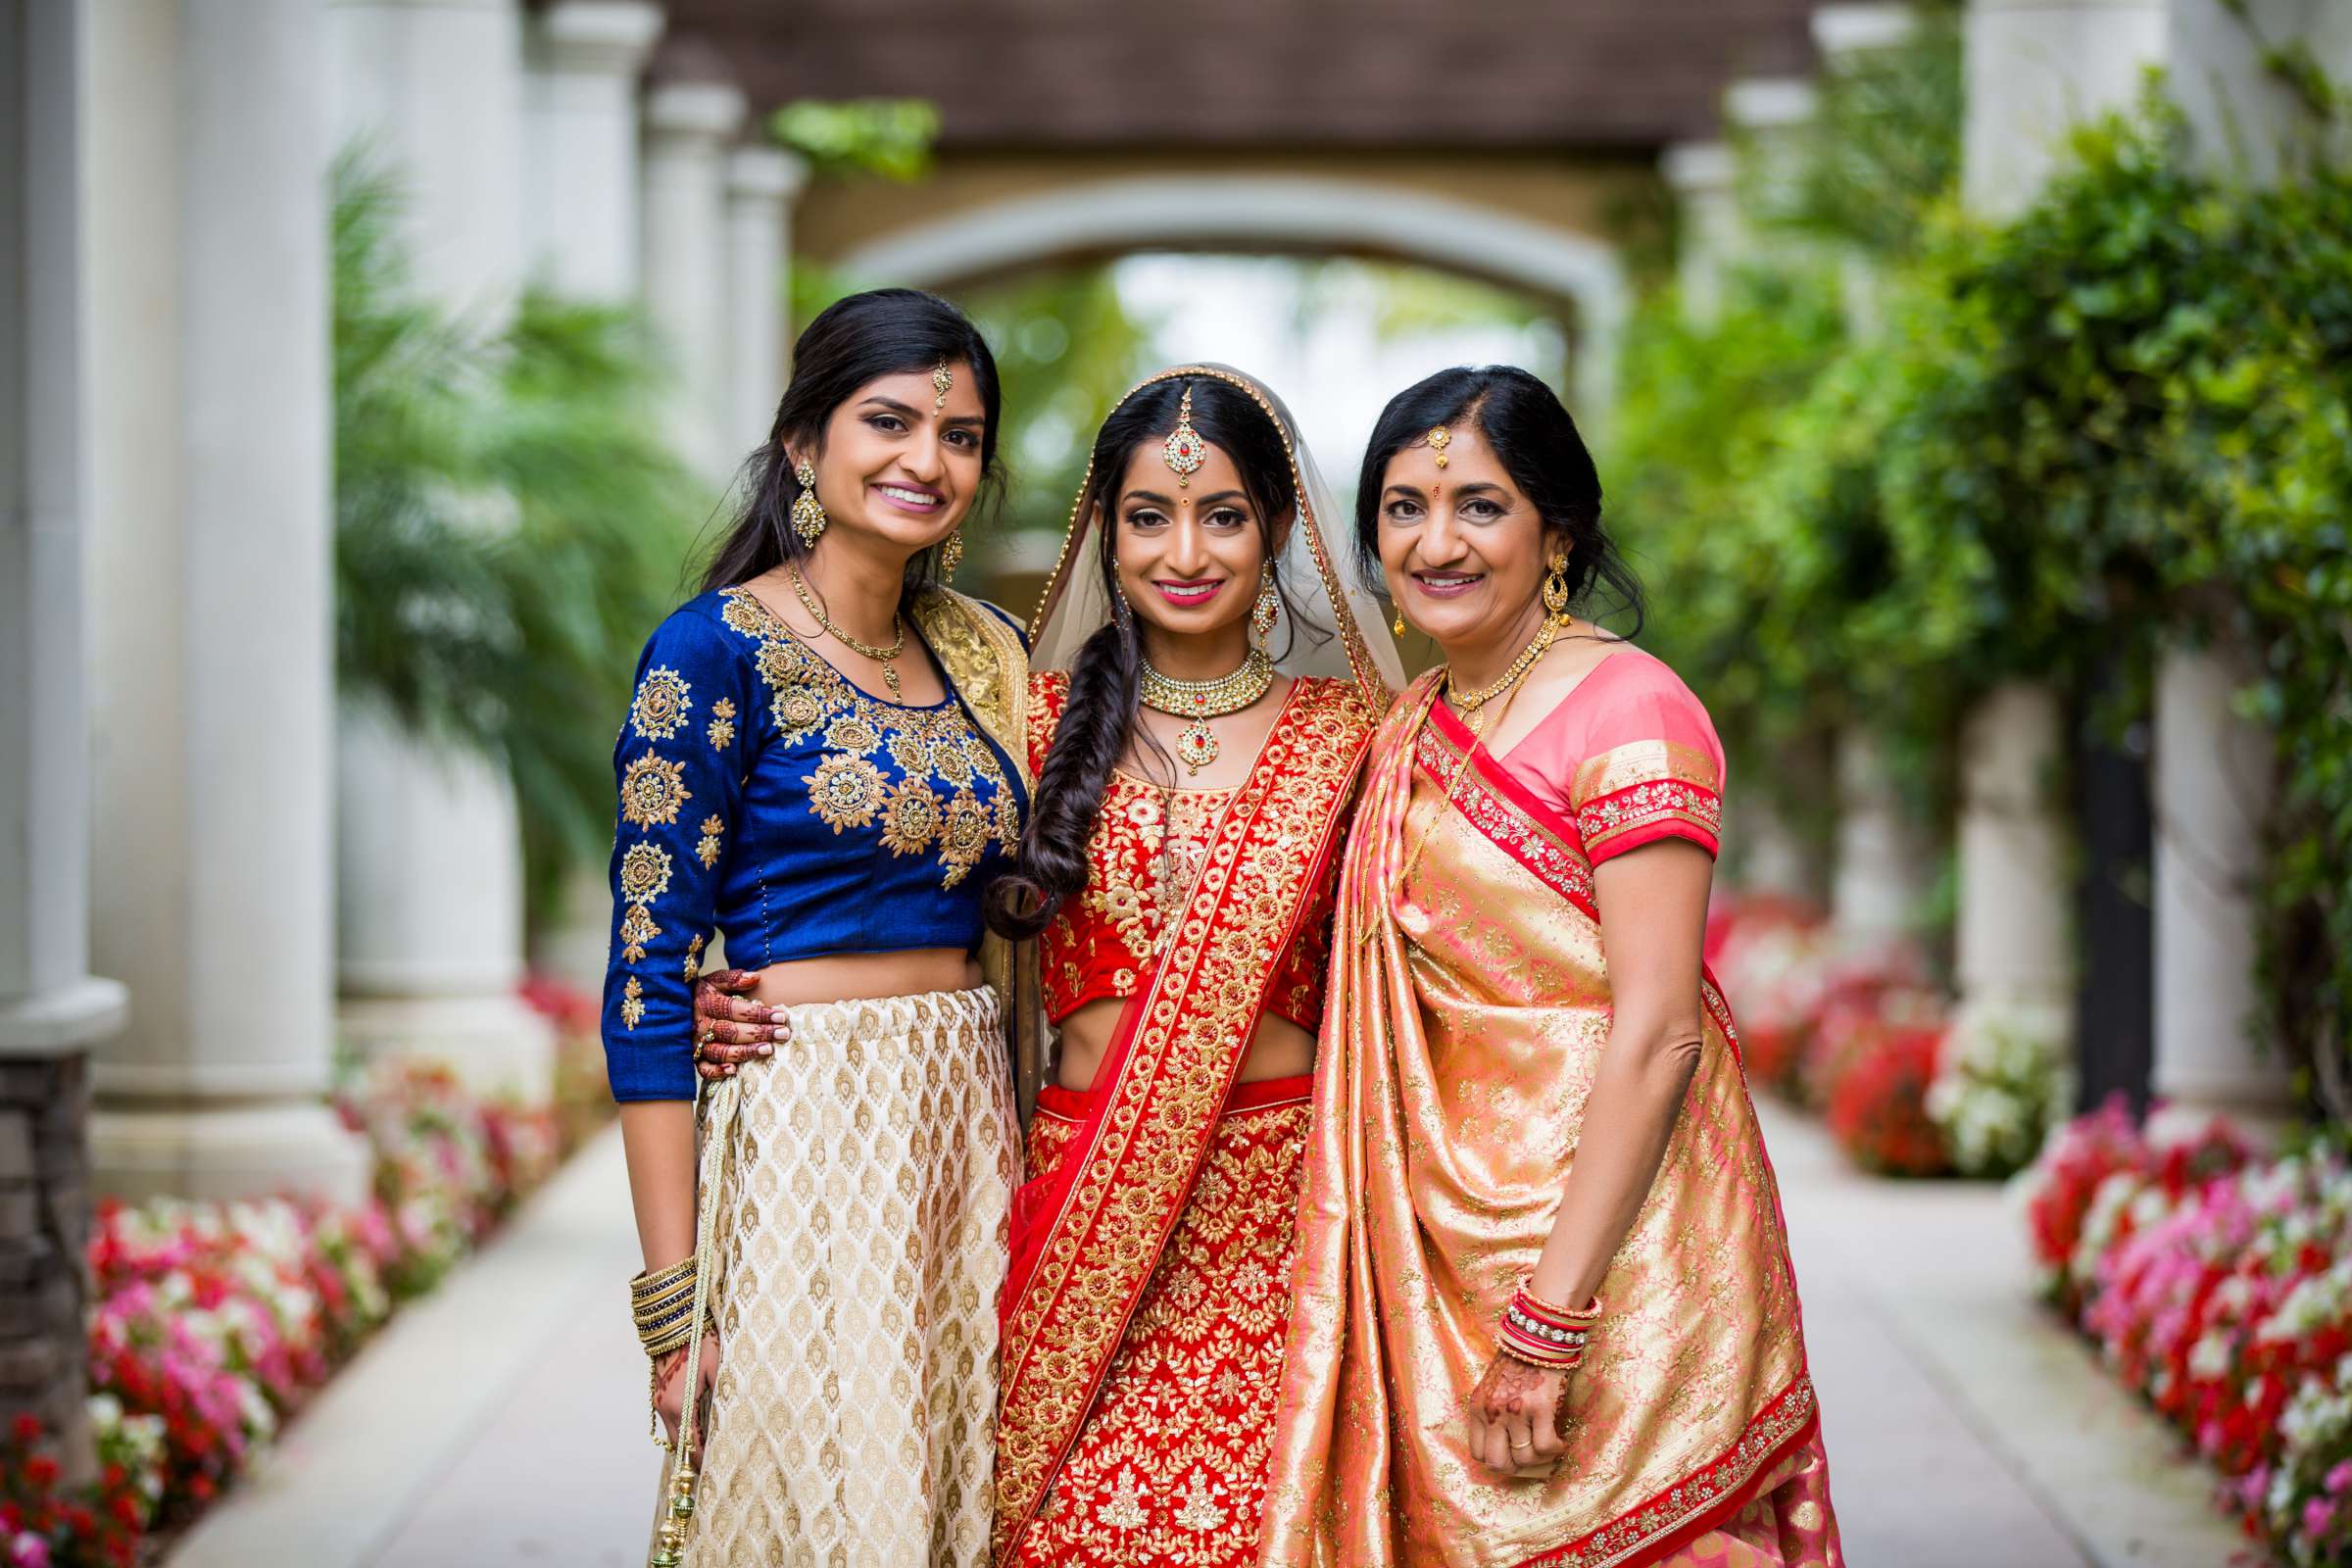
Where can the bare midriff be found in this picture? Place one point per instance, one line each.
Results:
(862, 976)
(1279, 1049)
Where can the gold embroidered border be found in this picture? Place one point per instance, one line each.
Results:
(1196, 1021)
(1637, 807)
(985, 659)
(1558, 863)
(1709, 1487)
(1644, 763)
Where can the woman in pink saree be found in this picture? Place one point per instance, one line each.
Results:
(1544, 1313)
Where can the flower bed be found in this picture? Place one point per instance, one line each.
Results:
(1855, 1030)
(213, 1322)
(2218, 1287)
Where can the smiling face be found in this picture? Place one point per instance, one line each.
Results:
(1188, 557)
(1462, 547)
(893, 467)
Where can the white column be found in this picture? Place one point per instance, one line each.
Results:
(581, 119)
(762, 182)
(51, 1008)
(2214, 772)
(2248, 122)
(1772, 117)
(1847, 36)
(1844, 31)
(429, 898)
(49, 1003)
(2036, 68)
(2212, 790)
(1703, 176)
(432, 89)
(581, 204)
(2016, 966)
(1880, 876)
(213, 660)
(687, 127)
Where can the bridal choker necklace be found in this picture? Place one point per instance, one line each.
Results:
(1200, 701)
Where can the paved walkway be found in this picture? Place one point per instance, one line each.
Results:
(501, 1422)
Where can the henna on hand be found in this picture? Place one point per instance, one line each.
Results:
(1514, 1390)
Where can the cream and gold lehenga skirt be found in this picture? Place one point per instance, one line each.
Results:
(861, 1235)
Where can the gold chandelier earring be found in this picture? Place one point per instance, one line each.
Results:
(1555, 588)
(951, 552)
(1269, 605)
(808, 512)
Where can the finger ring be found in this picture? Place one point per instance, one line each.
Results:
(1523, 1447)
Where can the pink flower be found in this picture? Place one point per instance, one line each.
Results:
(2340, 1477)
(28, 1551)
(2317, 1514)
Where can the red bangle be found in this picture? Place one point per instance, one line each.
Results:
(1535, 1332)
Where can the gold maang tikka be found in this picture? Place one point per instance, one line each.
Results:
(943, 381)
(1439, 439)
(1184, 450)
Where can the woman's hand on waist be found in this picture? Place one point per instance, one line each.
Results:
(731, 1028)
(740, 1014)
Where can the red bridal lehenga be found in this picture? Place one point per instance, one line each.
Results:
(1470, 1004)
(1147, 1304)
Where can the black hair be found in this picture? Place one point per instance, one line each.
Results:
(852, 342)
(1099, 718)
(1524, 422)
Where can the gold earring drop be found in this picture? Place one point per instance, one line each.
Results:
(1269, 605)
(808, 512)
(951, 554)
(1397, 625)
(1555, 588)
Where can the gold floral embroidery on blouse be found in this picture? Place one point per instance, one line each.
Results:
(637, 928)
(694, 960)
(652, 790)
(935, 807)
(644, 873)
(706, 852)
(723, 723)
(632, 1002)
(661, 703)
(845, 790)
(644, 878)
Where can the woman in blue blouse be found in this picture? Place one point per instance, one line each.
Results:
(821, 762)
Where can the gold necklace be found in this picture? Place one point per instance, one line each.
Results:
(1474, 718)
(1473, 705)
(880, 655)
(1200, 701)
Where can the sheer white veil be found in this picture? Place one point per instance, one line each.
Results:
(1351, 642)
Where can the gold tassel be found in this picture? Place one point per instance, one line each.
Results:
(669, 1542)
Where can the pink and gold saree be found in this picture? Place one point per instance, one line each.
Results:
(1469, 1009)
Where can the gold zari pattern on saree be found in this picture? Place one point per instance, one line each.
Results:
(1467, 1027)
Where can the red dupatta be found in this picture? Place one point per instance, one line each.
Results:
(1088, 1237)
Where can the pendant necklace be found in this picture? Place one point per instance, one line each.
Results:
(1199, 700)
(880, 655)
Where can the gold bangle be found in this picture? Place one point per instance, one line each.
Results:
(661, 1302)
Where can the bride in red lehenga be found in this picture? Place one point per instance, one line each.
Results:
(1178, 873)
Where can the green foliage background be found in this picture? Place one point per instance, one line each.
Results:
(2122, 421)
(510, 525)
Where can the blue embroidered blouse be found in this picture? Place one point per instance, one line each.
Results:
(765, 796)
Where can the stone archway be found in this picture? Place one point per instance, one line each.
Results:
(1280, 212)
